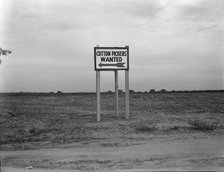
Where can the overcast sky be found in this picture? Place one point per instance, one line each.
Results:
(174, 44)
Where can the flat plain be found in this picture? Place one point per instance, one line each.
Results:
(59, 132)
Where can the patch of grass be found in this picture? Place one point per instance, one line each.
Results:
(174, 128)
(202, 125)
(30, 119)
(146, 129)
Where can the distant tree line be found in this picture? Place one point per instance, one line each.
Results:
(184, 91)
(153, 91)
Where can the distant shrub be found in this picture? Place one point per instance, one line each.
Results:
(59, 92)
(202, 125)
(120, 91)
(109, 92)
(152, 91)
(131, 91)
(163, 91)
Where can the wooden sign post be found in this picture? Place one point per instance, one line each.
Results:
(116, 91)
(112, 59)
(98, 95)
(127, 94)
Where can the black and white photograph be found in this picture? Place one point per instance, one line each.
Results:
(111, 85)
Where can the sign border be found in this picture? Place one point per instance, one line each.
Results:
(111, 69)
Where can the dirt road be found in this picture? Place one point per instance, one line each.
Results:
(157, 154)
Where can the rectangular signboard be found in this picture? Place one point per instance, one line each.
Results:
(111, 58)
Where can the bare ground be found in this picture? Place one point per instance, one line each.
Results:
(165, 132)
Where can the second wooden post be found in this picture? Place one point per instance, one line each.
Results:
(116, 92)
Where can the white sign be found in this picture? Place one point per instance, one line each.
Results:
(111, 58)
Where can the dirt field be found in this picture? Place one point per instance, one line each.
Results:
(59, 132)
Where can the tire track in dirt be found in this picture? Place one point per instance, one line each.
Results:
(155, 154)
